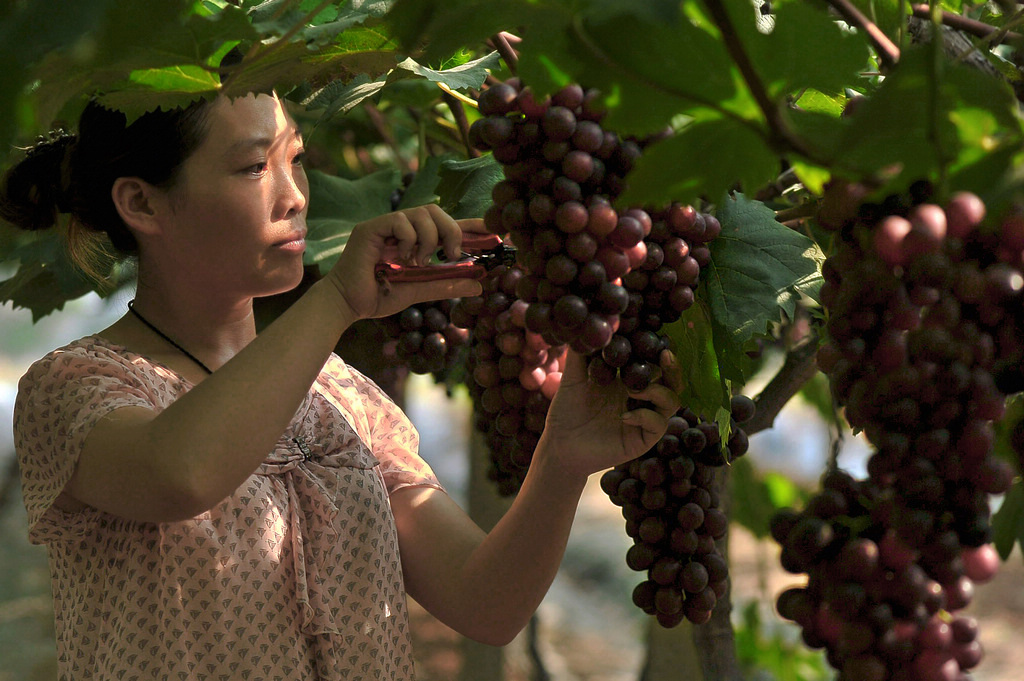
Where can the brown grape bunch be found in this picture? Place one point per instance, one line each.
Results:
(423, 338)
(513, 374)
(658, 291)
(924, 344)
(562, 172)
(672, 513)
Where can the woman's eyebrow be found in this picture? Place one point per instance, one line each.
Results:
(260, 142)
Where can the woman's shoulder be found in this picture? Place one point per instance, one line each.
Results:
(87, 352)
(91, 356)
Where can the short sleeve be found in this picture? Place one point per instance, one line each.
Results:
(390, 434)
(60, 399)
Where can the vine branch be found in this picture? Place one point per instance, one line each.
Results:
(508, 54)
(380, 123)
(454, 105)
(887, 50)
(780, 133)
(976, 28)
(800, 366)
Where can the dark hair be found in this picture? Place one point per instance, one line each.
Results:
(74, 174)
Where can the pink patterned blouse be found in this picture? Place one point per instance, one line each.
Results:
(295, 576)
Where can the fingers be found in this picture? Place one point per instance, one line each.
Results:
(473, 225)
(665, 400)
(651, 424)
(404, 295)
(671, 371)
(414, 234)
(424, 224)
(575, 368)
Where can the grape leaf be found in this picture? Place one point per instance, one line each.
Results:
(168, 87)
(46, 278)
(789, 58)
(1008, 521)
(359, 50)
(436, 29)
(465, 186)
(926, 116)
(645, 88)
(704, 159)
(420, 191)
(759, 269)
(337, 204)
(692, 342)
(341, 97)
(468, 75)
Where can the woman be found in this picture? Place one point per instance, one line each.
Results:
(222, 505)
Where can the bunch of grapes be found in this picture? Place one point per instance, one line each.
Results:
(868, 600)
(423, 338)
(562, 173)
(658, 291)
(923, 347)
(513, 375)
(672, 513)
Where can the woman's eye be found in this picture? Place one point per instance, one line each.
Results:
(299, 158)
(257, 168)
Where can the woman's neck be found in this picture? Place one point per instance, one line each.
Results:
(210, 329)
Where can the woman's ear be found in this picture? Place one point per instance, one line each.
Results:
(138, 204)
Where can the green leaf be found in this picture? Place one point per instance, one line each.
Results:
(644, 88)
(693, 343)
(337, 205)
(925, 118)
(888, 15)
(421, 190)
(1008, 521)
(806, 49)
(46, 278)
(759, 269)
(465, 186)
(341, 97)
(361, 50)
(705, 159)
(168, 87)
(442, 27)
(468, 75)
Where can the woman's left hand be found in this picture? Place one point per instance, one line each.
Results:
(590, 428)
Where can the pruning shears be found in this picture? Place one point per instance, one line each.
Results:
(480, 254)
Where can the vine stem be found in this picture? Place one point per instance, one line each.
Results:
(504, 48)
(780, 133)
(454, 105)
(976, 28)
(887, 50)
(799, 367)
(469, 101)
(380, 123)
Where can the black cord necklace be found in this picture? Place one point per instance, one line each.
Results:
(131, 308)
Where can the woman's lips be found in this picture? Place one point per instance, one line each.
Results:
(296, 243)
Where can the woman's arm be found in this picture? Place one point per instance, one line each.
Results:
(487, 586)
(184, 460)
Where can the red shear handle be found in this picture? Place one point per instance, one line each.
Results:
(466, 269)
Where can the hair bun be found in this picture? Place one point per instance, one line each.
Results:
(35, 190)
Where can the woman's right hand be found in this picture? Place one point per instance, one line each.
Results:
(407, 237)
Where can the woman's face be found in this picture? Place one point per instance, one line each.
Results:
(237, 212)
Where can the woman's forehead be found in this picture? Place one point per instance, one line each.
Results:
(252, 117)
